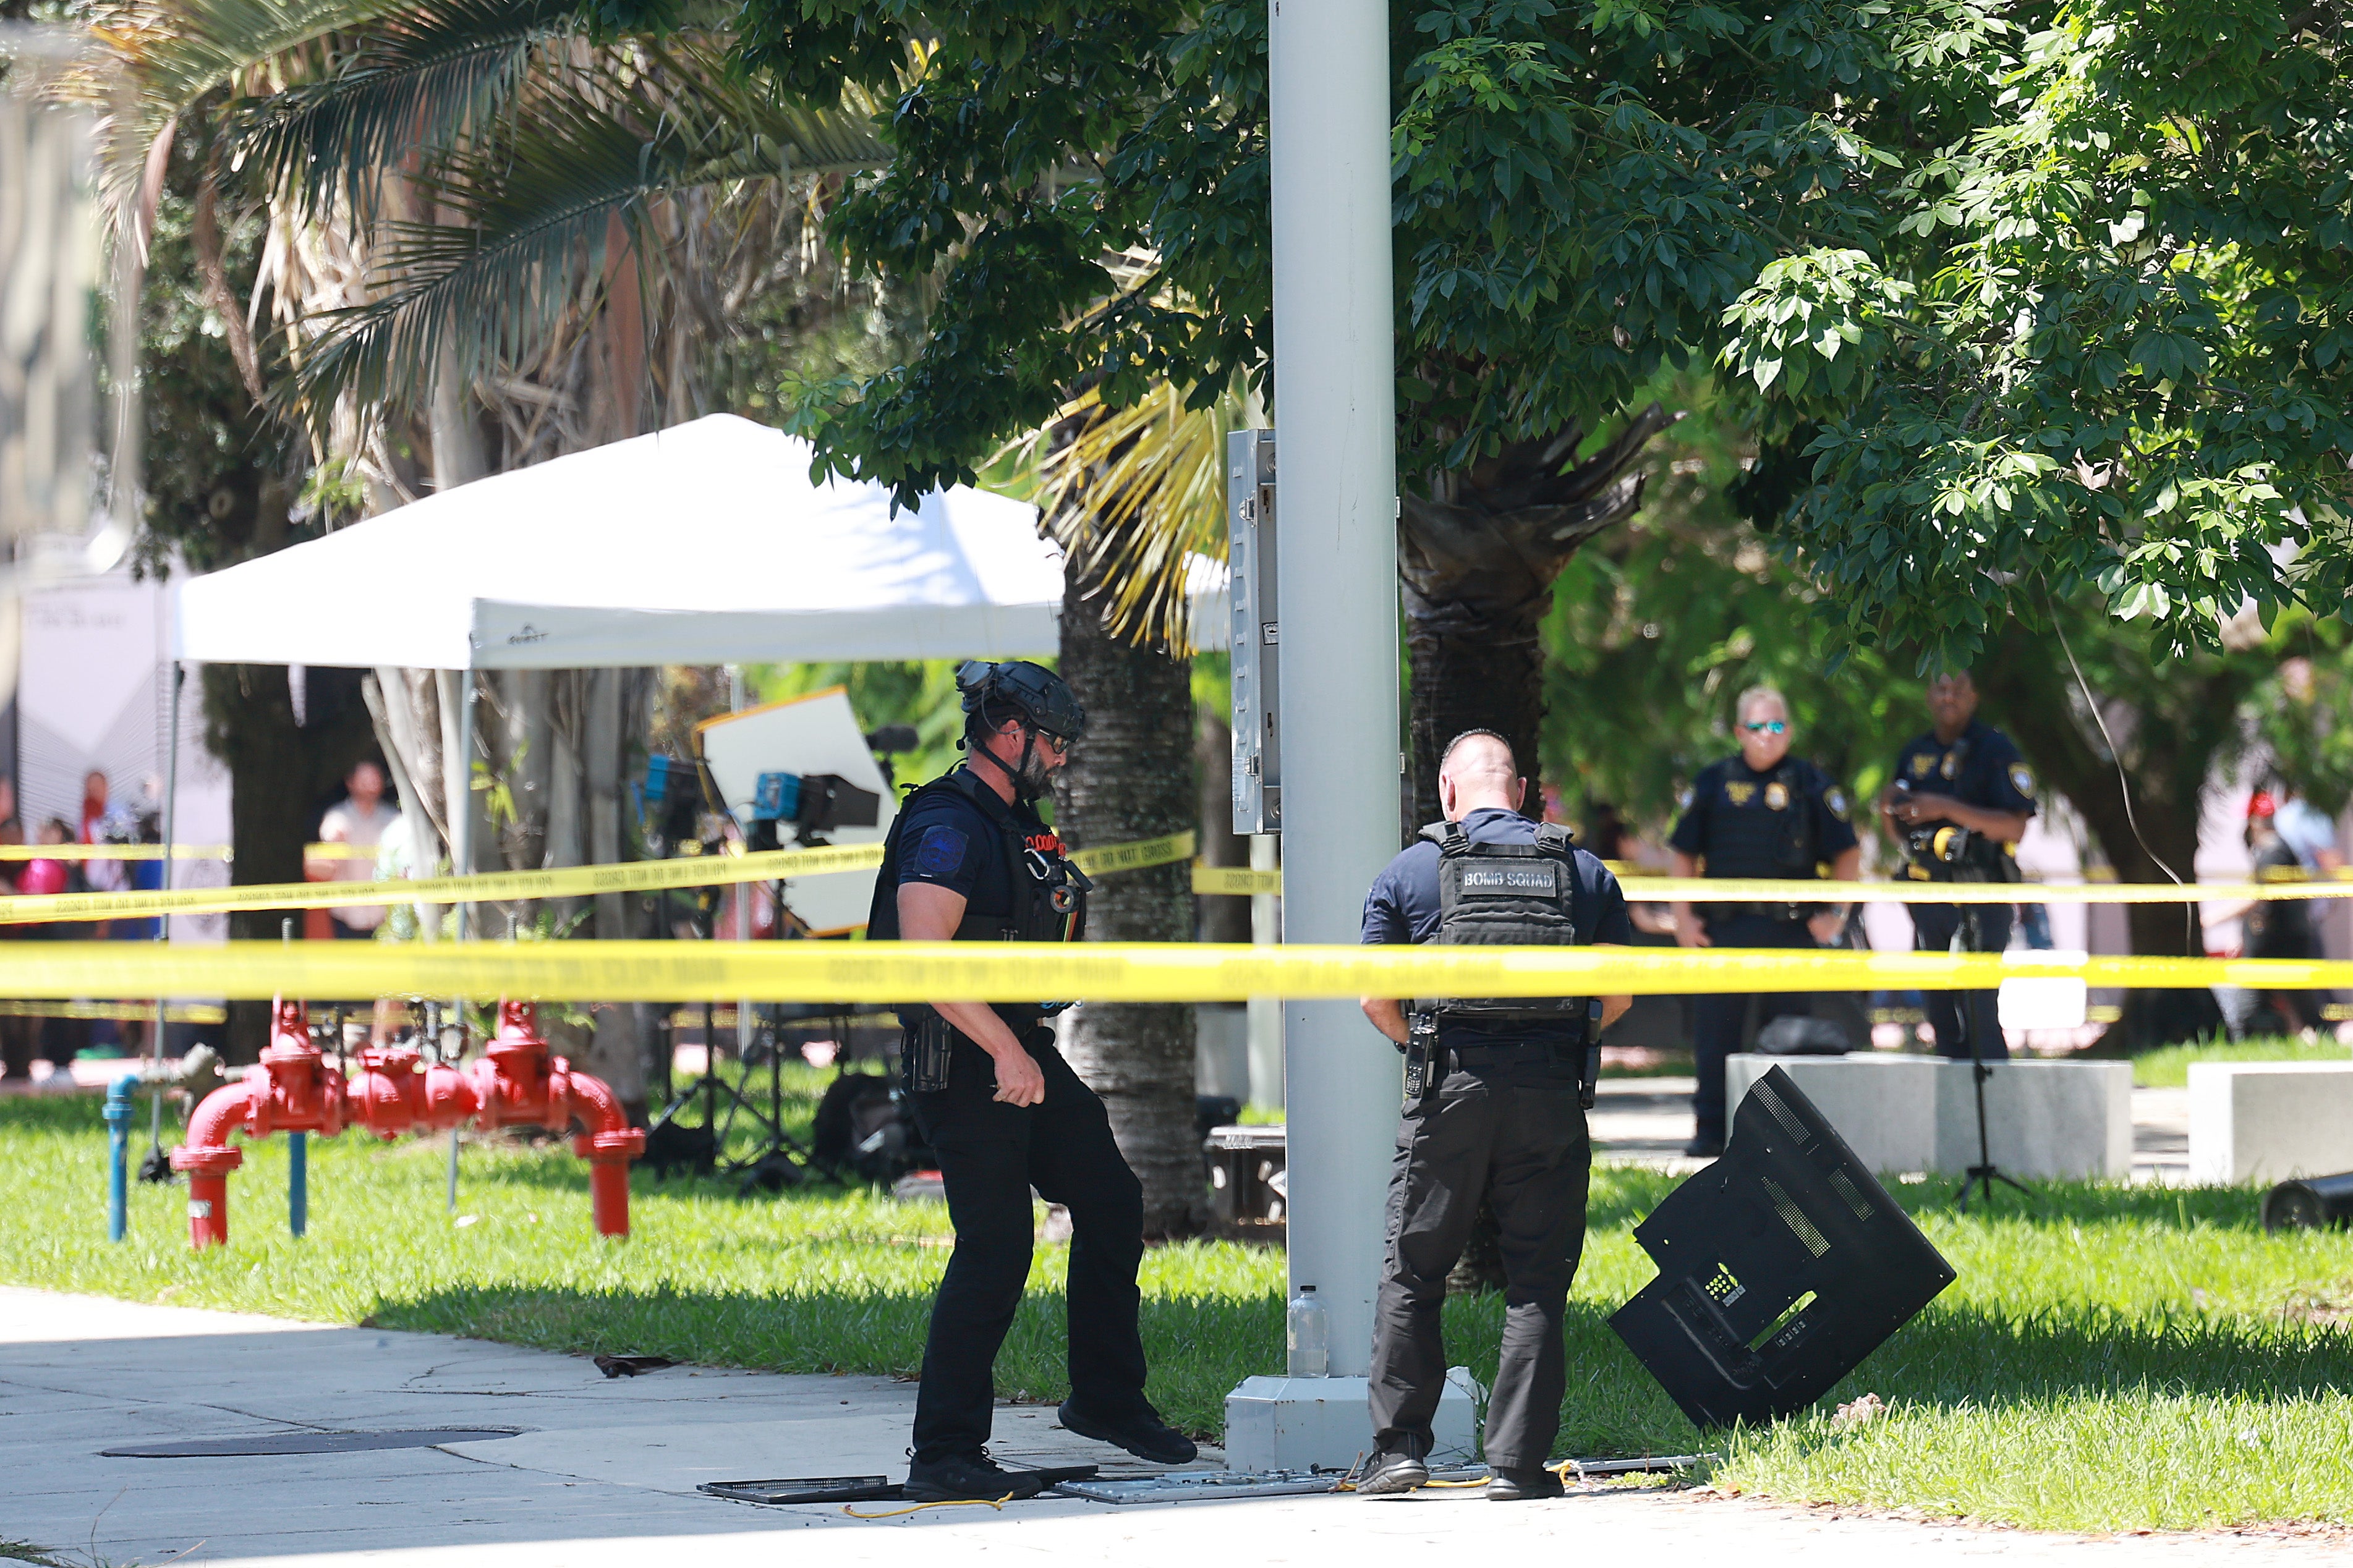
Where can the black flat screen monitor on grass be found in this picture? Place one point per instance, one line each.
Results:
(1781, 1265)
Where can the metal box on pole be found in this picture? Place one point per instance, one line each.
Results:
(1257, 645)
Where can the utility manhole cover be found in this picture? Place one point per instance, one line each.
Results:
(304, 1443)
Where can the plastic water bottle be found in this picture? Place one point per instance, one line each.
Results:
(1306, 1335)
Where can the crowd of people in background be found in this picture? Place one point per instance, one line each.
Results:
(364, 817)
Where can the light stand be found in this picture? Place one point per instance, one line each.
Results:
(1984, 1173)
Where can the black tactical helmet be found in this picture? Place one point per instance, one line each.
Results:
(1033, 693)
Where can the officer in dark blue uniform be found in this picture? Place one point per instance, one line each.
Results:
(1763, 814)
(969, 860)
(1960, 802)
(1495, 1098)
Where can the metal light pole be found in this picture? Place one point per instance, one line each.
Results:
(1336, 475)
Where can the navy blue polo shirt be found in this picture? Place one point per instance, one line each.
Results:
(1403, 907)
(1980, 768)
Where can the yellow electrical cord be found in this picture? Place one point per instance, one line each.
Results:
(997, 1504)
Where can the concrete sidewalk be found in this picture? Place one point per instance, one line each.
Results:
(602, 1473)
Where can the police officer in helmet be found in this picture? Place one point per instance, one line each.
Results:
(968, 859)
(1763, 814)
(1495, 1097)
(1960, 802)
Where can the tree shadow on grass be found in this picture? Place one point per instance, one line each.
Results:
(1943, 1358)
(1198, 1347)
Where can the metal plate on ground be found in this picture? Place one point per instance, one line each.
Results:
(806, 1488)
(261, 1444)
(1183, 1485)
(790, 1489)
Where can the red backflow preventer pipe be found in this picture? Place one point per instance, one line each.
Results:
(516, 1083)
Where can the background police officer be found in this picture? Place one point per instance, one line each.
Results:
(1502, 1120)
(1761, 814)
(1961, 798)
(968, 859)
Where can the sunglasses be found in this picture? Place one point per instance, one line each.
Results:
(1768, 727)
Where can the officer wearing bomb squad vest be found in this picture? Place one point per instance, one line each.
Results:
(1496, 1091)
(1763, 814)
(969, 860)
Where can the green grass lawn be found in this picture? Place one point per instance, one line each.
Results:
(2169, 1067)
(2111, 1357)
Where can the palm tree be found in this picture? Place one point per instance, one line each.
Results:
(1134, 498)
(496, 235)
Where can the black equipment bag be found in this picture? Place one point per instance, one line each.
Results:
(1514, 895)
(1781, 1266)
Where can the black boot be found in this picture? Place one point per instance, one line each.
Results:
(1513, 1484)
(1145, 1434)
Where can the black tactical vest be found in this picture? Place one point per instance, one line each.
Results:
(1756, 840)
(1517, 895)
(1049, 894)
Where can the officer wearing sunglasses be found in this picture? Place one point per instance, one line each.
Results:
(1761, 814)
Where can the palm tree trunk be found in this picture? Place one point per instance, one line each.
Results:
(1477, 559)
(1132, 777)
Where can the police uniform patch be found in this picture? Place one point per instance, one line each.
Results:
(1738, 794)
(1777, 795)
(940, 851)
(1835, 798)
(2022, 779)
(1921, 765)
(1683, 801)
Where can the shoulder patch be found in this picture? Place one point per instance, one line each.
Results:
(940, 851)
(1684, 801)
(2022, 779)
(1835, 798)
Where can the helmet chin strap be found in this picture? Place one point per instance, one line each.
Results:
(1017, 777)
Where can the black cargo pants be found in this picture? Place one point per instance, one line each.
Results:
(990, 1155)
(1524, 1150)
(1717, 1020)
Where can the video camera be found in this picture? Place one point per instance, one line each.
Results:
(1955, 854)
(814, 803)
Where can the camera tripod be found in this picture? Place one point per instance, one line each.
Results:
(1984, 1173)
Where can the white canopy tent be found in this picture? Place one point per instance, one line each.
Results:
(706, 543)
(701, 544)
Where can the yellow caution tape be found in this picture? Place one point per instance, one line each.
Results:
(1240, 881)
(496, 887)
(1113, 859)
(1733, 889)
(118, 1012)
(1104, 972)
(178, 852)
(772, 864)
(725, 1017)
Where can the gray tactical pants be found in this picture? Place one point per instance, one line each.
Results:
(1525, 1150)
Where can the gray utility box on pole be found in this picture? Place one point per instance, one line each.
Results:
(1257, 643)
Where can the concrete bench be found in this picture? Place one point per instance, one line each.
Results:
(2045, 1119)
(2266, 1121)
